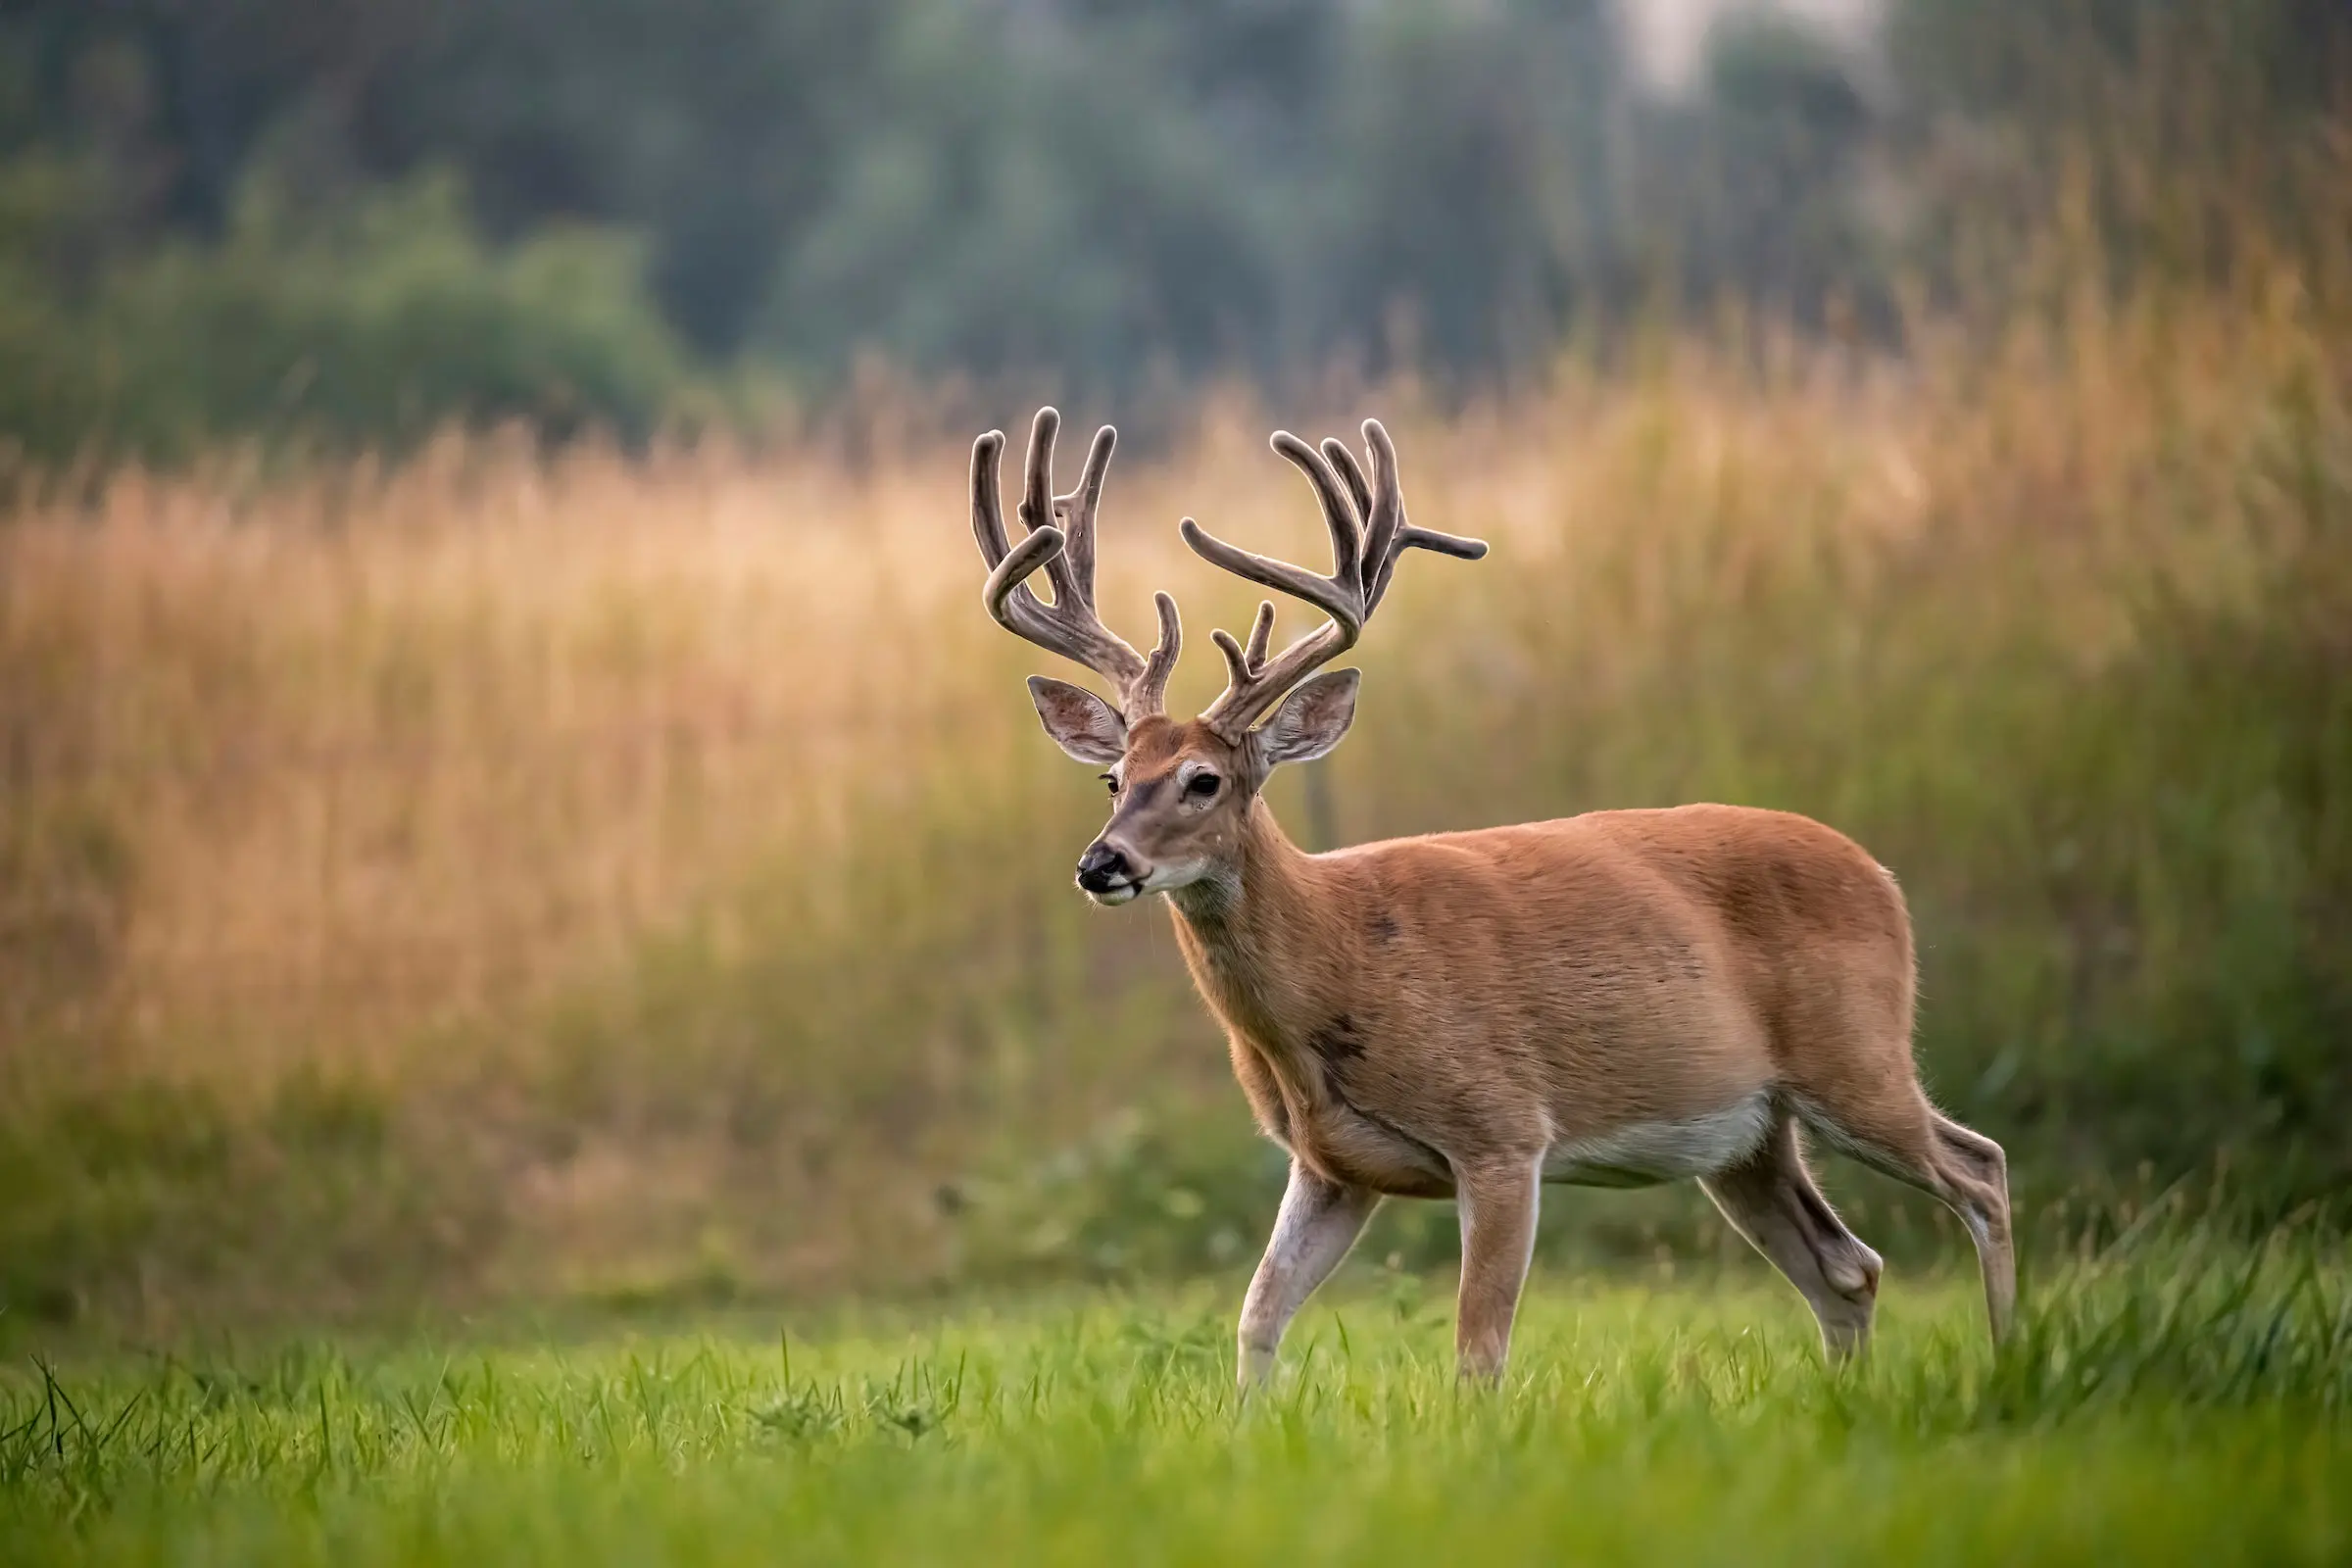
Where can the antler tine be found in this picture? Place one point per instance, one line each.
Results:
(1340, 518)
(1261, 632)
(1149, 693)
(1010, 602)
(1243, 665)
(1341, 594)
(1388, 535)
(1076, 512)
(1070, 625)
(1384, 511)
(1368, 531)
(987, 516)
(1336, 452)
(1037, 501)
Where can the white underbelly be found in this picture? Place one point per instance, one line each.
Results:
(1645, 1153)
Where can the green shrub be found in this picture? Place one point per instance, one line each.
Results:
(372, 328)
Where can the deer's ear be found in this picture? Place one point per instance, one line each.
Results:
(1081, 723)
(1310, 721)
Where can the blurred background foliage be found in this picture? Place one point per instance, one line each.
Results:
(506, 792)
(363, 220)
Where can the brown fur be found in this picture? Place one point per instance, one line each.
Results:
(1611, 999)
(1409, 1017)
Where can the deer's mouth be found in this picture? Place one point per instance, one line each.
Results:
(1124, 891)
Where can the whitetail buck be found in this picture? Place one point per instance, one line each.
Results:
(1611, 999)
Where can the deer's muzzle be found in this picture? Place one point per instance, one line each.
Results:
(1105, 873)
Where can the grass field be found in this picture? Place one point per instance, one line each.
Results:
(2185, 1402)
(543, 1015)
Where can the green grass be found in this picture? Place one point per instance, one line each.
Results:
(2188, 1402)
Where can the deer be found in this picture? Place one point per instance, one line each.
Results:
(1618, 998)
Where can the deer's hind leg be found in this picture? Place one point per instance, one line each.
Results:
(1770, 1200)
(1904, 1136)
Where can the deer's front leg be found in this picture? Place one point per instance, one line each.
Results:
(1319, 1222)
(1497, 1205)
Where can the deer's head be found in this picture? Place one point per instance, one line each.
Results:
(1181, 791)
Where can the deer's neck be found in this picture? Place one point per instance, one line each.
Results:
(1253, 935)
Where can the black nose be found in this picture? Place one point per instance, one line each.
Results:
(1102, 868)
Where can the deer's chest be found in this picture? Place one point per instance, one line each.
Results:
(1300, 1100)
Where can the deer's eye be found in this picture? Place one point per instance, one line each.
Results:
(1112, 779)
(1203, 787)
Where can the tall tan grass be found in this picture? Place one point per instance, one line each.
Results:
(684, 811)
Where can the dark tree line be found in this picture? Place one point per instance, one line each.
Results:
(371, 215)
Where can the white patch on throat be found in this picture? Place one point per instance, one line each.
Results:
(1168, 878)
(1643, 1153)
(1204, 892)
